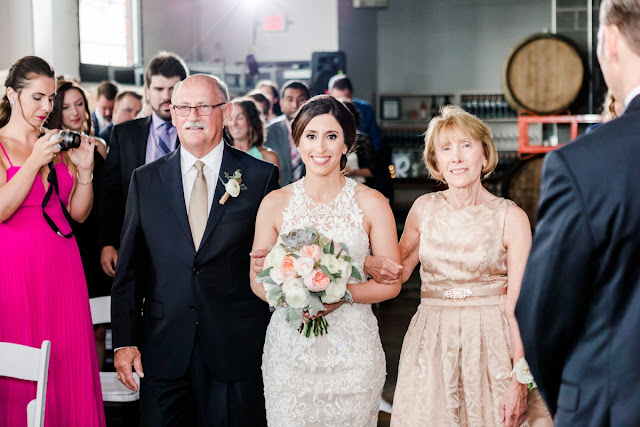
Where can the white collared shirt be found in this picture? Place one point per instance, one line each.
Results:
(212, 162)
(634, 92)
(102, 122)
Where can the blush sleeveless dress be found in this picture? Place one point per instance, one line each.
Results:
(43, 296)
(457, 352)
(336, 379)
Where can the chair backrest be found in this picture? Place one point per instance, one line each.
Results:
(31, 364)
(100, 310)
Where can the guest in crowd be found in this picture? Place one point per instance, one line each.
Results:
(262, 102)
(270, 90)
(43, 293)
(127, 107)
(246, 130)
(579, 309)
(135, 143)
(294, 94)
(360, 160)
(341, 87)
(105, 99)
(71, 112)
(462, 358)
(336, 378)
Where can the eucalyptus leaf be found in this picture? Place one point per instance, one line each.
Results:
(326, 271)
(315, 304)
(265, 272)
(355, 273)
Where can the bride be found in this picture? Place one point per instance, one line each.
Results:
(334, 379)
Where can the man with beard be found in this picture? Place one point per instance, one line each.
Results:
(134, 144)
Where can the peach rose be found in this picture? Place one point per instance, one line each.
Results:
(288, 265)
(317, 281)
(311, 251)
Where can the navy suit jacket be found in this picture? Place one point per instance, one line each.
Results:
(278, 140)
(186, 291)
(127, 150)
(579, 307)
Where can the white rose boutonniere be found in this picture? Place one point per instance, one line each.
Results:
(233, 186)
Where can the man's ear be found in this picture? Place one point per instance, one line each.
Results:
(228, 110)
(612, 40)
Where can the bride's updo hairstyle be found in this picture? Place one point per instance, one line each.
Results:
(20, 73)
(325, 104)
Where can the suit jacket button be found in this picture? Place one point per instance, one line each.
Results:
(192, 307)
(195, 270)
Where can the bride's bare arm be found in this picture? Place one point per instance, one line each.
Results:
(266, 233)
(383, 238)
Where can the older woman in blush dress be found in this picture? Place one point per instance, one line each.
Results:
(462, 360)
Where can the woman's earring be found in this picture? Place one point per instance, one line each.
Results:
(12, 102)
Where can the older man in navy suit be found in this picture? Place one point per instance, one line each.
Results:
(579, 307)
(198, 346)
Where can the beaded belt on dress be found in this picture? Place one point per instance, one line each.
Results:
(461, 293)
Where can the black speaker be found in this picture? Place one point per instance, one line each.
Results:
(325, 65)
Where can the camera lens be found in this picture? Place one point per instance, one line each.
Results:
(69, 139)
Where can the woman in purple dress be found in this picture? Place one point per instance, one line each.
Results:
(43, 293)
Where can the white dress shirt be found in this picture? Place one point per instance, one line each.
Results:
(212, 162)
(634, 92)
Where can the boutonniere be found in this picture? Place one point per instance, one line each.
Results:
(233, 186)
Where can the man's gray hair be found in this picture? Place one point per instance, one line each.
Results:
(223, 89)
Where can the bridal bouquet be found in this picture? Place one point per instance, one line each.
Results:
(304, 271)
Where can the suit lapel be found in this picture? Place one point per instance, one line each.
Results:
(231, 161)
(171, 176)
(141, 142)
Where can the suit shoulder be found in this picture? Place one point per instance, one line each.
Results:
(132, 124)
(278, 122)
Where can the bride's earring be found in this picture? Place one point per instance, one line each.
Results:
(12, 102)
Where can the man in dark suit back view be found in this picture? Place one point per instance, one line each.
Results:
(134, 143)
(579, 307)
(185, 250)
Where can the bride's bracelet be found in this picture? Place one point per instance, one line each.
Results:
(84, 183)
(523, 374)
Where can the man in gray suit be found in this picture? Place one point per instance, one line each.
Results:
(294, 94)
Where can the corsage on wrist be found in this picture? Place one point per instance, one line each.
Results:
(523, 374)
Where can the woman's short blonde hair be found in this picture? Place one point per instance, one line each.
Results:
(454, 119)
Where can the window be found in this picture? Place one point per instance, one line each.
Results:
(109, 32)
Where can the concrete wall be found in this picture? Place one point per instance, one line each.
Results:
(222, 30)
(447, 45)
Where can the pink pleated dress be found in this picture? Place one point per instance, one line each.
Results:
(43, 296)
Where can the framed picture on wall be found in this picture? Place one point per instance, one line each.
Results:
(390, 108)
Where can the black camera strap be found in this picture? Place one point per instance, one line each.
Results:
(53, 185)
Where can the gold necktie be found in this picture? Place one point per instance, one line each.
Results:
(198, 206)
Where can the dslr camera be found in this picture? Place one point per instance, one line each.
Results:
(69, 139)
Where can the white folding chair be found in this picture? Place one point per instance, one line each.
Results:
(112, 389)
(31, 364)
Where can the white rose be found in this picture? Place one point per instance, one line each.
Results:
(303, 266)
(335, 291)
(523, 373)
(232, 187)
(275, 255)
(277, 275)
(331, 262)
(297, 296)
(289, 282)
(345, 270)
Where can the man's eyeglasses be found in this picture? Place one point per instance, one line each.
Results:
(202, 110)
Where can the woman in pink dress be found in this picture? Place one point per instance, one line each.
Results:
(43, 294)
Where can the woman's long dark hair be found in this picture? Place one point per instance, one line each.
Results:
(54, 121)
(20, 73)
(252, 114)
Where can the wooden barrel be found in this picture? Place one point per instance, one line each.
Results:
(544, 74)
(522, 185)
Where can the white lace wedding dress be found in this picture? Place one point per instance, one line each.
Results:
(335, 379)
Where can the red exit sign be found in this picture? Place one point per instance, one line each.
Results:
(274, 23)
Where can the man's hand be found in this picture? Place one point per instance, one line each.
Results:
(108, 260)
(383, 269)
(257, 260)
(126, 359)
